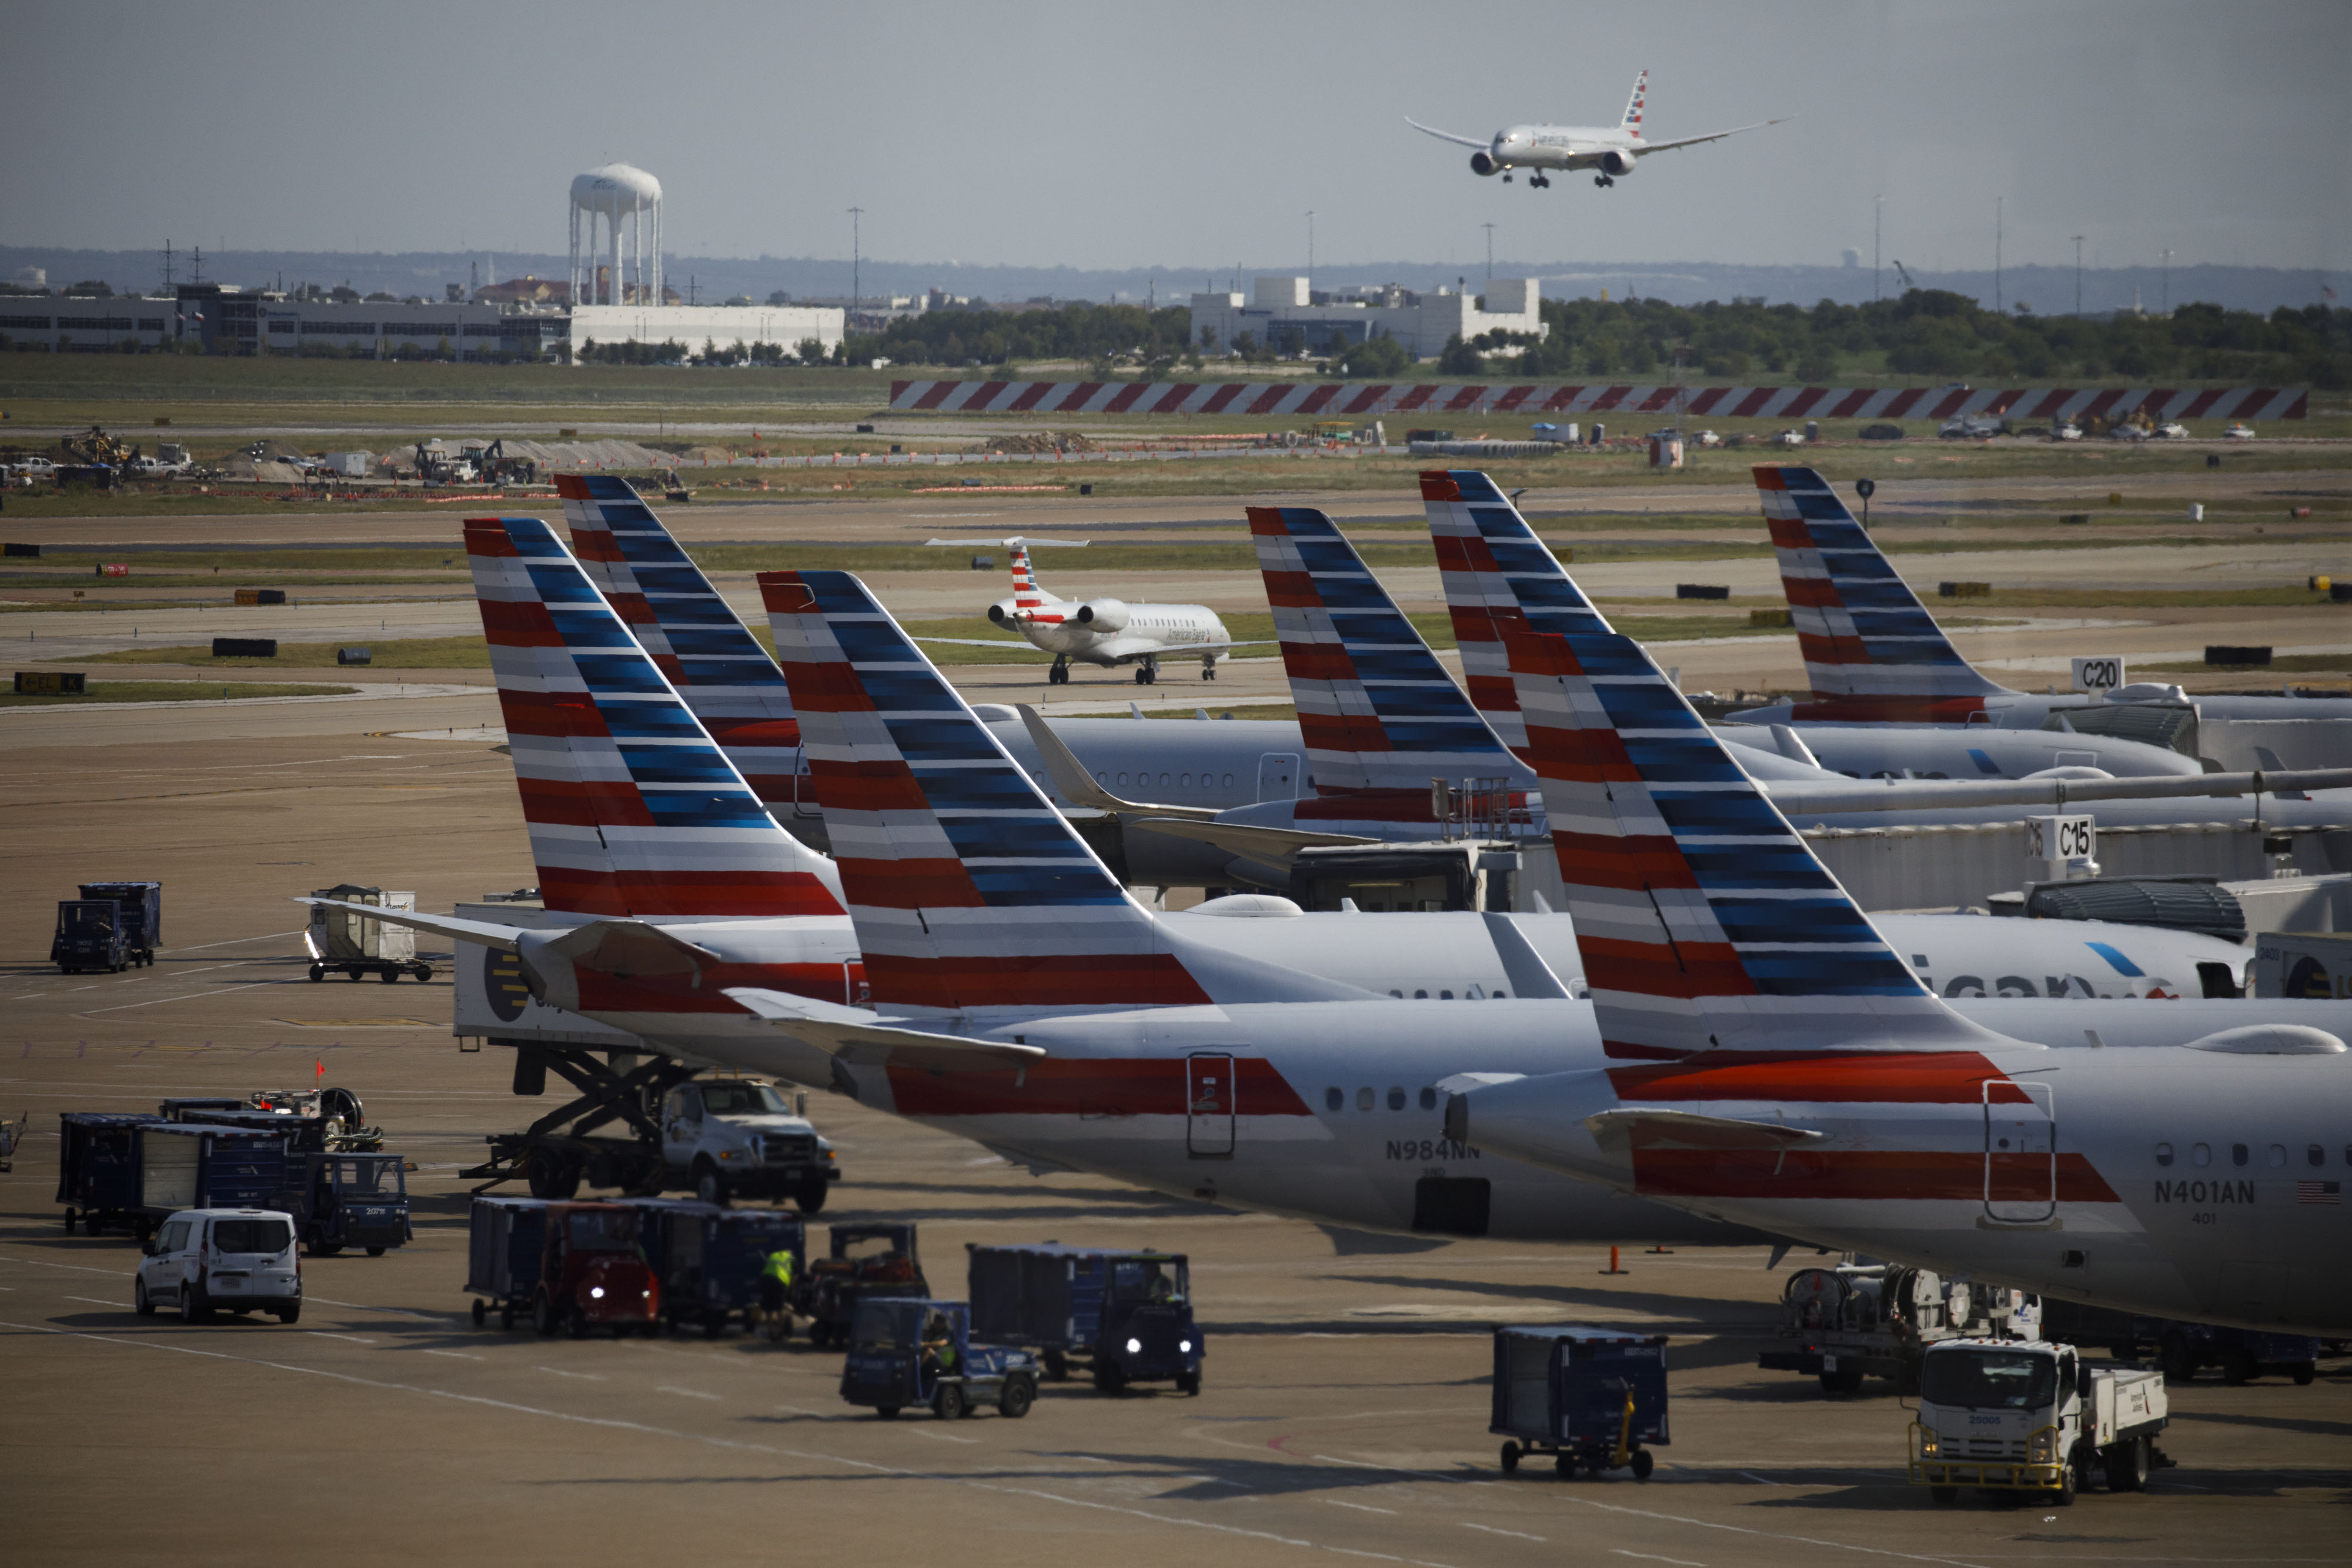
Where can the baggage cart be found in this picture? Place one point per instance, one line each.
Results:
(867, 1260)
(573, 1266)
(128, 1173)
(1128, 1314)
(506, 1239)
(142, 904)
(89, 936)
(1594, 1399)
(341, 942)
(907, 1350)
(709, 1259)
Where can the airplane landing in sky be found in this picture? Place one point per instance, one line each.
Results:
(1105, 632)
(1609, 151)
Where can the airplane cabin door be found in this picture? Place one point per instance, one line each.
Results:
(2020, 1168)
(1278, 776)
(1209, 1105)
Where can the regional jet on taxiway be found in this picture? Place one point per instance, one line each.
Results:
(1609, 151)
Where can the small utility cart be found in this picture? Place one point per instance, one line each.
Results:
(111, 926)
(908, 1351)
(343, 941)
(1590, 1397)
(1128, 1313)
(571, 1266)
(868, 1260)
(709, 1259)
(342, 1201)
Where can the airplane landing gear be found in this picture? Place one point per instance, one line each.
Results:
(1146, 673)
(1538, 182)
(1603, 180)
(1208, 669)
(1506, 179)
(1059, 675)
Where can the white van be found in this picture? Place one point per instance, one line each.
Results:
(205, 1260)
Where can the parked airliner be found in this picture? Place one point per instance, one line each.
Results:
(1610, 151)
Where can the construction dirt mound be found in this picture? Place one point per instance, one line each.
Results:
(1039, 442)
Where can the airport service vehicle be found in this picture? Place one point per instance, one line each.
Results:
(1593, 1400)
(111, 926)
(574, 1266)
(2181, 1349)
(1854, 1322)
(142, 904)
(119, 1171)
(709, 1259)
(2239, 432)
(2028, 1415)
(864, 1262)
(342, 1201)
(235, 1260)
(340, 941)
(1972, 428)
(731, 1137)
(2175, 431)
(1130, 1313)
(911, 1351)
(1876, 657)
(1610, 151)
(314, 1121)
(1105, 632)
(1773, 1063)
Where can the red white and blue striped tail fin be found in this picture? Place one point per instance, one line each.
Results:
(1499, 578)
(1026, 594)
(702, 645)
(1704, 921)
(971, 893)
(1633, 121)
(1864, 633)
(1376, 708)
(632, 810)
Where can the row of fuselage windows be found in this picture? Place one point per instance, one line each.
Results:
(1367, 1099)
(2275, 1157)
(1167, 781)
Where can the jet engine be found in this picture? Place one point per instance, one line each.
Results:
(1000, 612)
(1484, 163)
(1103, 614)
(1615, 163)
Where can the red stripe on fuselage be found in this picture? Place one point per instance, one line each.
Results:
(1943, 1078)
(1103, 1087)
(1906, 1174)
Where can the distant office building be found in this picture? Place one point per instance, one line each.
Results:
(718, 326)
(1330, 323)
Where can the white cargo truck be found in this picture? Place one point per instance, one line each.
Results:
(2010, 1416)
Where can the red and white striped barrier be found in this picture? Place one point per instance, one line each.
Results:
(1333, 400)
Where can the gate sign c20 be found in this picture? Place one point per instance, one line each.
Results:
(2100, 675)
(2061, 838)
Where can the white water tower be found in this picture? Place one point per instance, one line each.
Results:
(629, 200)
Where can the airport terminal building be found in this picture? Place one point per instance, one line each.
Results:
(241, 321)
(1331, 323)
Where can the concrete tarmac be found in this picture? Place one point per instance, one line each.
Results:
(1345, 1411)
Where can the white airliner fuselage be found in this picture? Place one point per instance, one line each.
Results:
(1105, 632)
(1609, 151)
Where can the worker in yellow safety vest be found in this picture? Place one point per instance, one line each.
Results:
(776, 1282)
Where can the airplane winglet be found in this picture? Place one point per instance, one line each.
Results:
(852, 1035)
(1078, 786)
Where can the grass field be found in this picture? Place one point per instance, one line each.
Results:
(389, 654)
(2290, 664)
(169, 692)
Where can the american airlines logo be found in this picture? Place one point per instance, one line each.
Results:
(2205, 1192)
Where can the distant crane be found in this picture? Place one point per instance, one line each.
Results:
(1904, 275)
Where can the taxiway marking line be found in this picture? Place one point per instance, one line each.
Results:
(735, 1444)
(1514, 1534)
(321, 1333)
(1761, 1480)
(93, 1301)
(689, 1393)
(459, 1355)
(153, 1001)
(1368, 1508)
(583, 1376)
(1653, 1557)
(939, 1436)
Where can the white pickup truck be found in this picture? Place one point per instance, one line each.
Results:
(729, 1138)
(2029, 1416)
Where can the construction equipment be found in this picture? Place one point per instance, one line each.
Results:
(493, 466)
(97, 449)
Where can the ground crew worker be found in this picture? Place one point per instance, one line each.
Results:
(938, 1358)
(776, 1281)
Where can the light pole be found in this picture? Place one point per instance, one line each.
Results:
(1490, 251)
(854, 215)
(2078, 275)
(1310, 254)
(1877, 213)
(2166, 296)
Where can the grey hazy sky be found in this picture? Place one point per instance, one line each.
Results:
(1187, 136)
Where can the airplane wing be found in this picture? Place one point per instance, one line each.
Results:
(1078, 785)
(1271, 845)
(500, 936)
(1007, 644)
(1712, 136)
(852, 1035)
(1911, 794)
(1692, 1129)
(1482, 142)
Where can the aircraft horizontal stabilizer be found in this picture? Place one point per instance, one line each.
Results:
(632, 948)
(502, 937)
(1274, 846)
(1911, 794)
(1009, 644)
(851, 1035)
(1078, 785)
(1016, 542)
(1655, 1129)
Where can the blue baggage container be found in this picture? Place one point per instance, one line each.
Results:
(142, 904)
(709, 1259)
(1130, 1312)
(1565, 1391)
(506, 1239)
(131, 1172)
